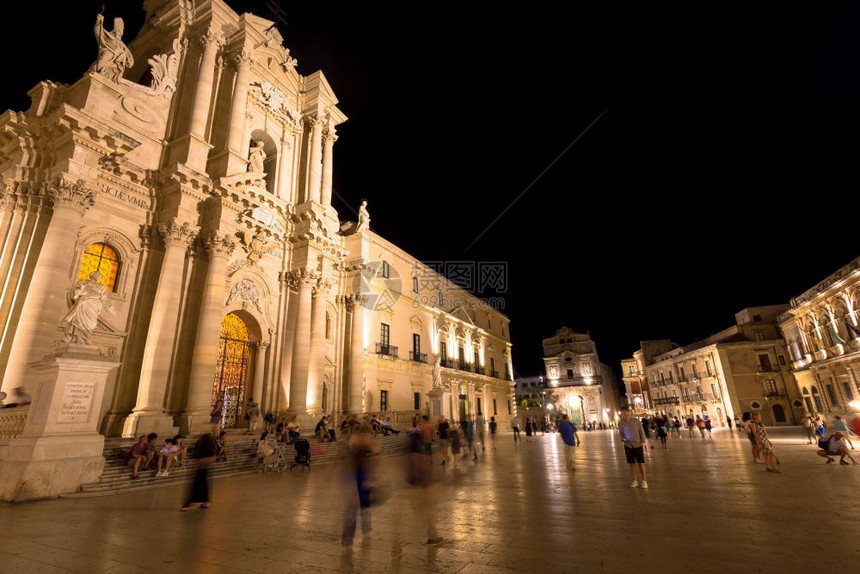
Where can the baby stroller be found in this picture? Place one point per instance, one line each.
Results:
(303, 454)
(272, 456)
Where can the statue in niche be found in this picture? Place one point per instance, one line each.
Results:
(114, 56)
(257, 158)
(437, 376)
(363, 217)
(89, 298)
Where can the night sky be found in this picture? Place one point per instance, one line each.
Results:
(721, 175)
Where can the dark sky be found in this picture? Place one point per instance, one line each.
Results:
(722, 174)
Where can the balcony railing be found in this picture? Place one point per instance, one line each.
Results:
(666, 401)
(389, 350)
(766, 369)
(478, 369)
(463, 366)
(494, 374)
(417, 357)
(443, 362)
(775, 395)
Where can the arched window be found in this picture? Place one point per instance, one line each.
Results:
(103, 258)
(327, 326)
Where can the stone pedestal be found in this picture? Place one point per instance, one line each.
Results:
(60, 447)
(436, 396)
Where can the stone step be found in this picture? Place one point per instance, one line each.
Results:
(241, 459)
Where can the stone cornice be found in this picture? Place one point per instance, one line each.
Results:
(819, 289)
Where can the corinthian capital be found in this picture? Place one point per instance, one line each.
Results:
(174, 233)
(210, 36)
(241, 56)
(303, 278)
(219, 245)
(321, 287)
(311, 121)
(62, 194)
(329, 135)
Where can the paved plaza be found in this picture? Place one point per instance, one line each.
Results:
(709, 508)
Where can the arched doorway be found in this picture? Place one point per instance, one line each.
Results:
(231, 373)
(779, 414)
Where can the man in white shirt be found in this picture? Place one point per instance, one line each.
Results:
(835, 447)
(515, 426)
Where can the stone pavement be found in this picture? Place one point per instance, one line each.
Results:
(709, 508)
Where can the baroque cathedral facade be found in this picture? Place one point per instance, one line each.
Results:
(189, 174)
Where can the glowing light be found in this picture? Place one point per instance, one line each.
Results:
(549, 406)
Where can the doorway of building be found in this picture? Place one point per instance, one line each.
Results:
(464, 404)
(231, 373)
(779, 414)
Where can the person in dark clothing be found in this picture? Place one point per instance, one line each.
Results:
(204, 452)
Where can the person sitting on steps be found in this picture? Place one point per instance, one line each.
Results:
(221, 447)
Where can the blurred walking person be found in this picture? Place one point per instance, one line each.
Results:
(567, 430)
(204, 453)
(493, 426)
(420, 475)
(361, 447)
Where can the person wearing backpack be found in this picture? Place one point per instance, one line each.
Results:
(834, 445)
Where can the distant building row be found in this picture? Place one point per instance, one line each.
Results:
(576, 382)
(781, 360)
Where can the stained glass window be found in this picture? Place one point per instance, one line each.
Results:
(232, 369)
(104, 259)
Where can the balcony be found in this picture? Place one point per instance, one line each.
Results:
(766, 369)
(494, 374)
(478, 369)
(775, 395)
(389, 350)
(417, 357)
(443, 362)
(463, 366)
(666, 401)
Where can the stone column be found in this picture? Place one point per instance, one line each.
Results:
(205, 355)
(283, 188)
(238, 162)
(45, 305)
(198, 147)
(285, 341)
(203, 90)
(356, 354)
(301, 345)
(327, 165)
(161, 336)
(314, 175)
(317, 357)
(259, 370)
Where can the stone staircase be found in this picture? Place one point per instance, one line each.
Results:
(241, 459)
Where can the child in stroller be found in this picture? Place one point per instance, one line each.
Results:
(303, 454)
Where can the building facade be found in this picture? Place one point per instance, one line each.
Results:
(194, 185)
(823, 335)
(633, 374)
(742, 368)
(576, 377)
